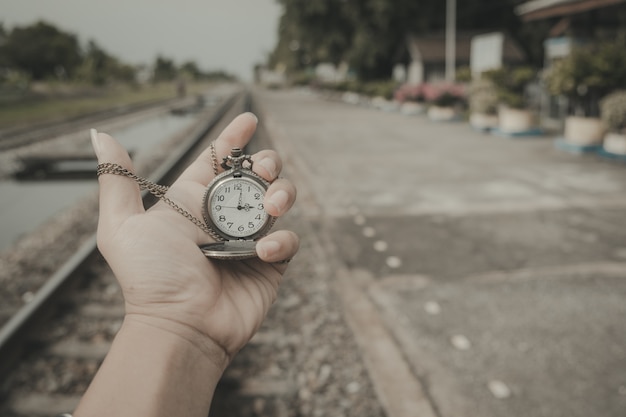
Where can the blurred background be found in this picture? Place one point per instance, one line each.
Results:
(461, 174)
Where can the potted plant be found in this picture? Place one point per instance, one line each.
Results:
(584, 77)
(483, 104)
(575, 78)
(613, 111)
(411, 99)
(514, 116)
(446, 102)
(381, 94)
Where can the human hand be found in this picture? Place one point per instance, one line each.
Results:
(166, 280)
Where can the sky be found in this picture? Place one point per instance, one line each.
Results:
(232, 35)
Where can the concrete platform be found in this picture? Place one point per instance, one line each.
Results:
(495, 269)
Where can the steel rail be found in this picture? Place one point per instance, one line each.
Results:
(25, 135)
(15, 333)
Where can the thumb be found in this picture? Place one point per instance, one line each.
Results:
(120, 196)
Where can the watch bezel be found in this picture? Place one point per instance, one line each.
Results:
(240, 174)
(230, 250)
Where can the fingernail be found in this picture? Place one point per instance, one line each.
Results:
(279, 200)
(95, 141)
(267, 248)
(254, 115)
(269, 165)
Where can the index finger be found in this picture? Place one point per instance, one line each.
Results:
(236, 135)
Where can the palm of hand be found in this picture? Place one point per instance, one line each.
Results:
(163, 273)
(167, 276)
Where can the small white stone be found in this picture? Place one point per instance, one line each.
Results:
(112, 289)
(622, 390)
(461, 342)
(325, 371)
(353, 387)
(359, 220)
(394, 262)
(27, 297)
(380, 246)
(369, 231)
(291, 301)
(432, 307)
(499, 389)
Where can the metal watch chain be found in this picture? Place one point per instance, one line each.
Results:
(159, 191)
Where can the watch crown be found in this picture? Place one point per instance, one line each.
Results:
(236, 160)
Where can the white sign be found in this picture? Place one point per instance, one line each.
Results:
(486, 52)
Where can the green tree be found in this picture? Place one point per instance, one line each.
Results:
(191, 70)
(164, 69)
(41, 50)
(311, 32)
(380, 31)
(99, 67)
(4, 62)
(371, 34)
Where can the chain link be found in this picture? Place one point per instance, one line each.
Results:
(159, 191)
(214, 158)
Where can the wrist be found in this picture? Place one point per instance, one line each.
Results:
(157, 368)
(179, 335)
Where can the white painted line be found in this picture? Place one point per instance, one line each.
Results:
(468, 209)
(461, 342)
(552, 272)
(432, 307)
(394, 262)
(359, 220)
(369, 231)
(380, 246)
(499, 389)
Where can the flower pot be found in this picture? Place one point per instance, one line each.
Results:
(411, 108)
(442, 114)
(615, 143)
(515, 120)
(351, 98)
(383, 104)
(483, 121)
(583, 131)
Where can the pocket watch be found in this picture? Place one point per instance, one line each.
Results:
(233, 209)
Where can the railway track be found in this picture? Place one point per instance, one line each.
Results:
(52, 346)
(24, 135)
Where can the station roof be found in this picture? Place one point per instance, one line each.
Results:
(431, 48)
(544, 9)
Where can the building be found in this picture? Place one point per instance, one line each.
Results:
(572, 23)
(428, 56)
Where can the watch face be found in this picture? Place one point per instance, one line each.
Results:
(235, 207)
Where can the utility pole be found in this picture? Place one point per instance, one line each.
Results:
(450, 40)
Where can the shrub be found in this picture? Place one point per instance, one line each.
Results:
(587, 74)
(511, 84)
(483, 96)
(613, 111)
(379, 89)
(447, 95)
(410, 93)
